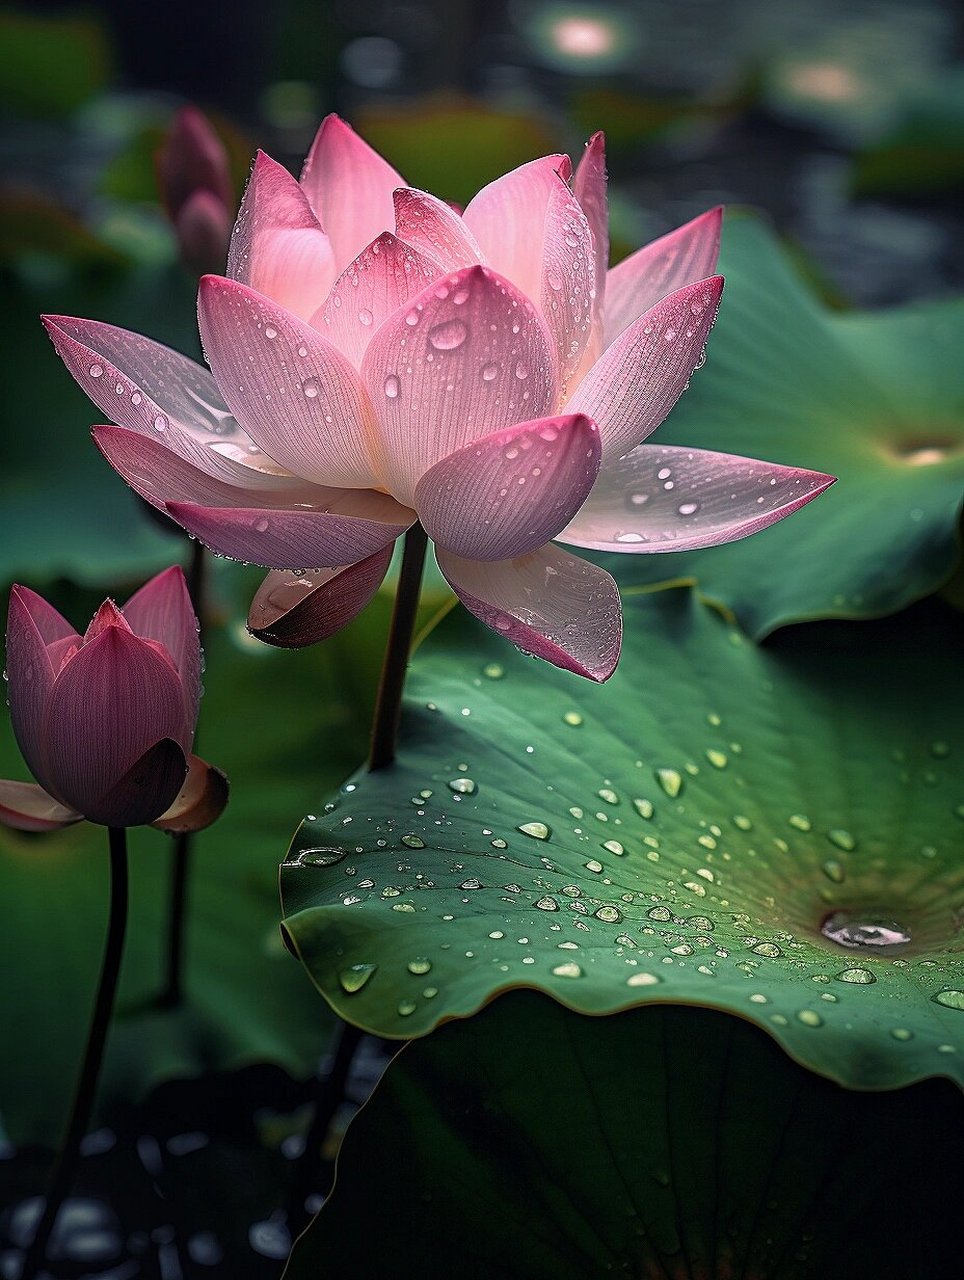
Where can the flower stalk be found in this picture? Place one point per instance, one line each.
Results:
(65, 1164)
(388, 702)
(172, 992)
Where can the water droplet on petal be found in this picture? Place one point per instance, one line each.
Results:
(160, 423)
(688, 508)
(365, 317)
(392, 386)
(269, 332)
(96, 370)
(448, 335)
(310, 387)
(489, 372)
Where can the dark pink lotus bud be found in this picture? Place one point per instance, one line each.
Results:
(196, 190)
(106, 720)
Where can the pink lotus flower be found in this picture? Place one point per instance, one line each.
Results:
(106, 720)
(378, 358)
(195, 185)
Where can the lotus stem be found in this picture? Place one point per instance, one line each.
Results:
(388, 704)
(65, 1164)
(172, 992)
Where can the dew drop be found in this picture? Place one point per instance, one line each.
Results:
(310, 387)
(406, 1008)
(718, 759)
(568, 970)
(419, 966)
(799, 822)
(96, 370)
(365, 317)
(547, 904)
(413, 842)
(833, 870)
(809, 1018)
(537, 830)
(493, 671)
(842, 839)
(448, 335)
(950, 999)
(392, 386)
(644, 808)
(614, 846)
(608, 914)
(160, 423)
(858, 977)
(642, 980)
(269, 332)
(766, 949)
(463, 786)
(901, 1033)
(572, 718)
(355, 977)
(688, 508)
(671, 781)
(489, 372)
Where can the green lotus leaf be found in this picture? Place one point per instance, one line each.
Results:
(874, 399)
(681, 834)
(662, 1142)
(246, 1001)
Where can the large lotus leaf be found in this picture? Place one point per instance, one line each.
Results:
(680, 834)
(877, 400)
(246, 1000)
(531, 1143)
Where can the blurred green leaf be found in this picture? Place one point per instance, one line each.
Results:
(679, 835)
(662, 1142)
(52, 64)
(470, 144)
(877, 400)
(923, 153)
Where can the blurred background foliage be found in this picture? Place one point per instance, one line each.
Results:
(842, 121)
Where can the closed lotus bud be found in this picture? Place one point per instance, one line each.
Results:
(196, 190)
(106, 720)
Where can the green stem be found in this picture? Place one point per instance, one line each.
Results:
(62, 1174)
(172, 992)
(388, 704)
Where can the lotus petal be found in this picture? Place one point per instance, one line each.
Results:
(470, 356)
(548, 603)
(145, 791)
(285, 538)
(277, 247)
(162, 611)
(350, 189)
(434, 229)
(161, 393)
(26, 807)
(200, 801)
(32, 626)
(297, 396)
(682, 257)
(508, 220)
(664, 498)
(292, 611)
(115, 698)
(636, 381)
(385, 275)
(511, 492)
